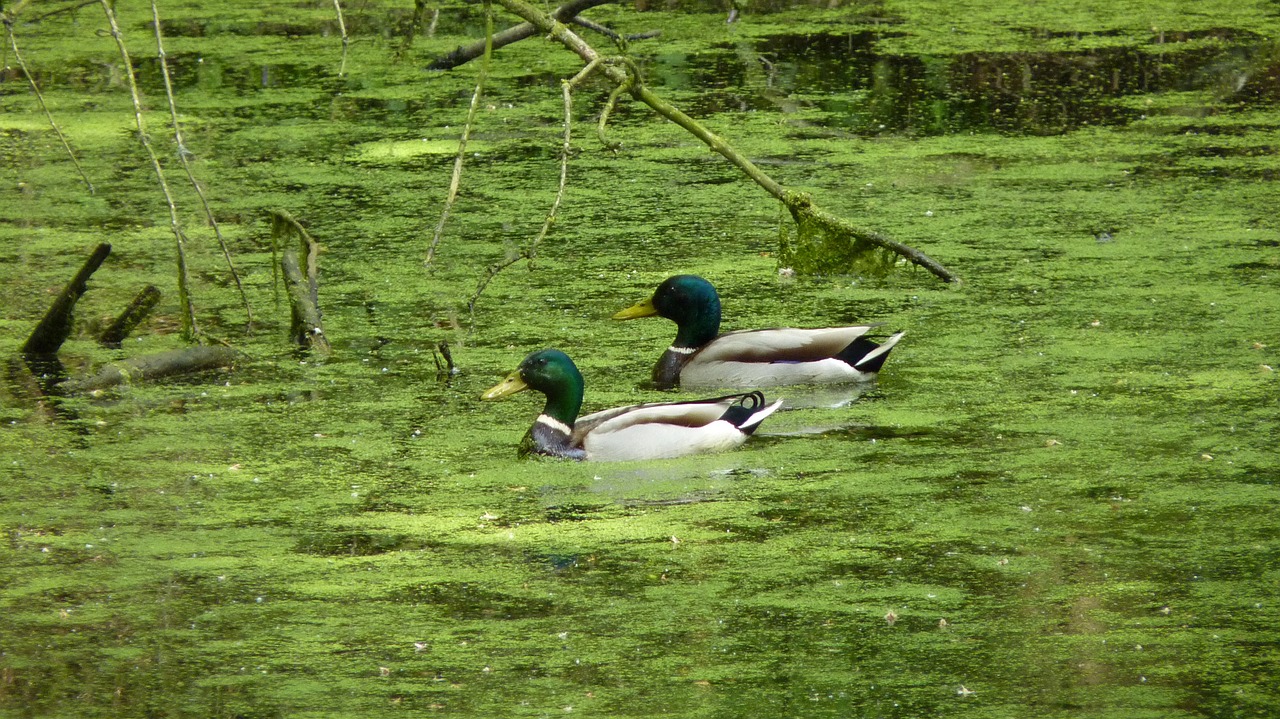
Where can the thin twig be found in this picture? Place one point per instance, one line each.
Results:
(530, 252)
(411, 29)
(565, 150)
(611, 33)
(13, 42)
(183, 154)
(608, 110)
(491, 272)
(38, 18)
(189, 329)
(342, 26)
(452, 196)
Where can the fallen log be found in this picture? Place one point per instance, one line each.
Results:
(152, 367)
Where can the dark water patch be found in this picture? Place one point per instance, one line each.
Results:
(1216, 126)
(695, 498)
(1161, 37)
(378, 504)
(574, 512)
(1256, 271)
(1204, 171)
(210, 27)
(360, 20)
(863, 91)
(1256, 474)
(352, 543)
(1229, 151)
(194, 71)
(468, 600)
(560, 562)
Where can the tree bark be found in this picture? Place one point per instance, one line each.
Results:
(304, 301)
(54, 329)
(132, 316)
(303, 285)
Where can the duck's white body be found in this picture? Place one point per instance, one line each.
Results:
(702, 357)
(642, 431)
(776, 357)
(663, 430)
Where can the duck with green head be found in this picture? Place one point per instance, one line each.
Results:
(644, 431)
(702, 357)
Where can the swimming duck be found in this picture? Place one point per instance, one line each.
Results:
(701, 357)
(644, 431)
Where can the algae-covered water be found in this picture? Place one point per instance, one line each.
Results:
(1059, 500)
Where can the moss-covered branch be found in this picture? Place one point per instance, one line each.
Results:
(132, 316)
(301, 278)
(801, 207)
(153, 367)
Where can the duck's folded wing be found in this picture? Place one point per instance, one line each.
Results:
(784, 344)
(685, 414)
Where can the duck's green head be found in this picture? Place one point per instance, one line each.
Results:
(552, 373)
(689, 301)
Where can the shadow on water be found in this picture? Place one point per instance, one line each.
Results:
(866, 91)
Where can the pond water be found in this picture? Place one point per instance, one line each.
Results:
(1059, 499)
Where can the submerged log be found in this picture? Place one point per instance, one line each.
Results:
(54, 329)
(151, 367)
(304, 292)
(130, 318)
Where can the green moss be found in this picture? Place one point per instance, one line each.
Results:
(1069, 459)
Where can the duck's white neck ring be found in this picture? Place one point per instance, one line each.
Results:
(682, 350)
(555, 424)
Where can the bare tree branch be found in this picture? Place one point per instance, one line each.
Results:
(806, 214)
(13, 42)
(455, 180)
(189, 330)
(467, 53)
(183, 155)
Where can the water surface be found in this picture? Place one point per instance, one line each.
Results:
(1059, 500)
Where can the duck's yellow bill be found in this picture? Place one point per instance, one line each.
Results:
(644, 309)
(512, 384)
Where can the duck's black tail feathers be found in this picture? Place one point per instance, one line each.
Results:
(749, 411)
(865, 355)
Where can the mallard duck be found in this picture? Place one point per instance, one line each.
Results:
(643, 431)
(701, 357)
